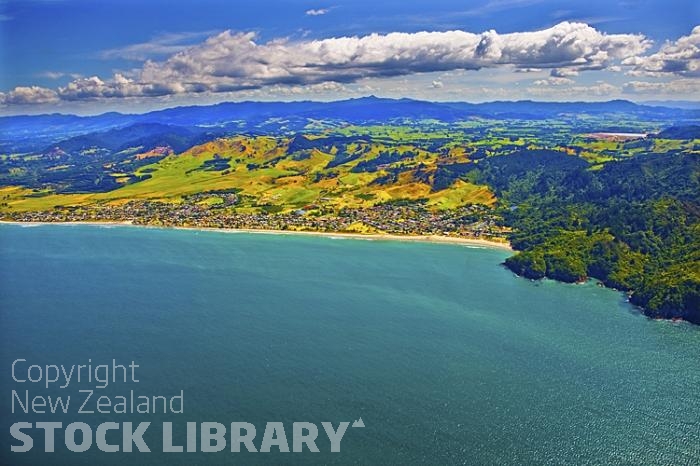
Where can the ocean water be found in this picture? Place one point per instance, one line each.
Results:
(446, 356)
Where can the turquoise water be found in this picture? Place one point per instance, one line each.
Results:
(446, 356)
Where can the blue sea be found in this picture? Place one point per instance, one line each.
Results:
(445, 355)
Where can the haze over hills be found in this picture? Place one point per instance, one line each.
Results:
(27, 133)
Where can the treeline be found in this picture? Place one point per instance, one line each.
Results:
(634, 224)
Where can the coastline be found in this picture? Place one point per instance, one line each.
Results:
(435, 239)
(359, 236)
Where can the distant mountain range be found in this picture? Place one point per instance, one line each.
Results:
(690, 104)
(36, 132)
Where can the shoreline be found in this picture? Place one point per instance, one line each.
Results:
(437, 239)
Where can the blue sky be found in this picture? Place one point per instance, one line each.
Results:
(92, 56)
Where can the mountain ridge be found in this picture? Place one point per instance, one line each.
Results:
(665, 105)
(26, 133)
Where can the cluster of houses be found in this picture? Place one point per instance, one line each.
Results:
(404, 219)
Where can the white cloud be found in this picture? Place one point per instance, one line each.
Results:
(564, 72)
(681, 57)
(437, 84)
(320, 88)
(230, 62)
(58, 75)
(160, 46)
(318, 12)
(674, 87)
(599, 89)
(553, 81)
(119, 86)
(234, 60)
(52, 74)
(28, 95)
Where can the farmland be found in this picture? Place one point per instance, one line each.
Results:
(607, 194)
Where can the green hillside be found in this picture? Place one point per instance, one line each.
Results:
(619, 207)
(289, 172)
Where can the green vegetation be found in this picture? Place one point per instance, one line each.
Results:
(634, 224)
(622, 209)
(329, 169)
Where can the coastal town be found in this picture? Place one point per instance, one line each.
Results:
(471, 221)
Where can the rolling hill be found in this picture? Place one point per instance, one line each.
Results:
(624, 210)
(30, 133)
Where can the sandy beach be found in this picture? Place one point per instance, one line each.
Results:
(360, 236)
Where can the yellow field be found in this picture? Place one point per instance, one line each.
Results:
(262, 170)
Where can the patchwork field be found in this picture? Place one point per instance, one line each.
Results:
(290, 173)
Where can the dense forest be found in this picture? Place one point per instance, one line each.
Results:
(632, 224)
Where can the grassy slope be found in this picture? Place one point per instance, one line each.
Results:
(268, 173)
(262, 168)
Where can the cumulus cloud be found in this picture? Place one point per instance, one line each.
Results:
(27, 95)
(119, 86)
(233, 61)
(553, 81)
(317, 12)
(681, 57)
(564, 72)
(674, 87)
